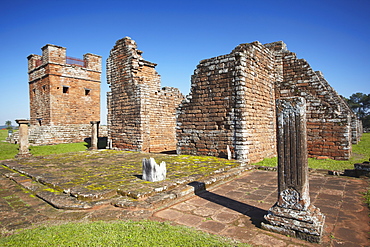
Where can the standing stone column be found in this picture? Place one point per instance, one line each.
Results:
(94, 134)
(23, 139)
(293, 214)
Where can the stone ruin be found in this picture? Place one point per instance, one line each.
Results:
(141, 115)
(153, 172)
(64, 95)
(230, 111)
(23, 151)
(293, 214)
(232, 103)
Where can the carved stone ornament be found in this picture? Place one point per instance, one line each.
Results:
(291, 198)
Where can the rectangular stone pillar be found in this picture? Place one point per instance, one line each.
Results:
(293, 214)
(23, 139)
(94, 134)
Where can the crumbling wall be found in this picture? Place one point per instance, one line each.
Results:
(231, 103)
(356, 129)
(42, 135)
(50, 135)
(329, 118)
(63, 92)
(141, 115)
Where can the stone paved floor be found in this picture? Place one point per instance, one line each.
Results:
(234, 209)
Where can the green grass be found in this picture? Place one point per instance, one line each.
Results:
(116, 233)
(3, 134)
(8, 151)
(367, 198)
(360, 153)
(58, 149)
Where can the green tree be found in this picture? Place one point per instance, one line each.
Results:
(8, 125)
(360, 104)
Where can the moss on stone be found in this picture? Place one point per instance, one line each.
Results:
(95, 171)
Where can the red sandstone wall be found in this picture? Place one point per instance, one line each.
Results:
(259, 108)
(162, 123)
(141, 116)
(49, 102)
(231, 104)
(328, 116)
(206, 121)
(124, 126)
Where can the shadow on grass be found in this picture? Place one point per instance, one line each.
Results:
(102, 142)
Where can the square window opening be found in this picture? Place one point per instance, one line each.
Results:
(87, 92)
(65, 89)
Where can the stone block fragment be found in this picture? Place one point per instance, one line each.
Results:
(23, 139)
(152, 171)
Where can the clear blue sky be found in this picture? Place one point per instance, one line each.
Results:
(332, 35)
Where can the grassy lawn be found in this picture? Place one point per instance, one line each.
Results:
(360, 153)
(117, 233)
(138, 233)
(8, 151)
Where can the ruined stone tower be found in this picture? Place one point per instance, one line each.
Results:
(141, 115)
(232, 104)
(64, 95)
(332, 127)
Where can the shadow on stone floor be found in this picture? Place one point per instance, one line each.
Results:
(255, 214)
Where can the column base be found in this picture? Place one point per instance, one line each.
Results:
(24, 155)
(303, 224)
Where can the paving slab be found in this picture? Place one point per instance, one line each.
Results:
(234, 207)
(83, 180)
(236, 210)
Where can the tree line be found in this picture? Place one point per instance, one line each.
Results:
(360, 105)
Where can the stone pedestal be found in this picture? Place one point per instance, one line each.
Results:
(23, 139)
(94, 134)
(293, 214)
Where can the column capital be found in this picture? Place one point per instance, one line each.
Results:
(22, 121)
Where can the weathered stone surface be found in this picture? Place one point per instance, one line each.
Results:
(92, 195)
(332, 127)
(70, 133)
(64, 92)
(23, 139)
(94, 134)
(112, 177)
(362, 169)
(153, 172)
(347, 225)
(63, 201)
(363, 166)
(232, 103)
(141, 115)
(293, 213)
